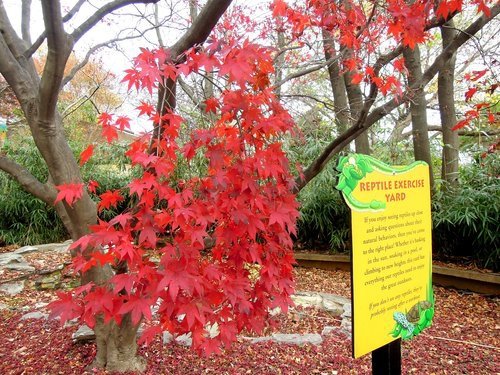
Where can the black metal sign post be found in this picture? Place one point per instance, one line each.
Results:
(386, 360)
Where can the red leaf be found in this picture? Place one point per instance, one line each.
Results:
(491, 118)
(149, 334)
(103, 258)
(279, 8)
(65, 307)
(145, 108)
(109, 132)
(138, 306)
(461, 124)
(109, 199)
(123, 122)
(148, 237)
(123, 282)
(211, 105)
(470, 93)
(86, 154)
(357, 78)
(104, 118)
(69, 193)
(92, 186)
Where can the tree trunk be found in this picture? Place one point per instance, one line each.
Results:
(446, 97)
(341, 106)
(117, 347)
(279, 62)
(418, 108)
(356, 106)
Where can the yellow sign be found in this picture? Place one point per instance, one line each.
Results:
(391, 250)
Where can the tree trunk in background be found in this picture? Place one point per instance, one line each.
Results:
(446, 97)
(356, 106)
(279, 62)
(341, 106)
(418, 109)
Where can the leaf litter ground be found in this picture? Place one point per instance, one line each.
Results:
(464, 339)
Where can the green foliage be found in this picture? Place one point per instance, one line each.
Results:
(26, 220)
(466, 221)
(324, 216)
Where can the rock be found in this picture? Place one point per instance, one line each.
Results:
(333, 307)
(184, 340)
(12, 288)
(328, 329)
(307, 299)
(84, 333)
(10, 258)
(34, 315)
(25, 267)
(59, 247)
(26, 250)
(15, 262)
(256, 340)
(167, 337)
(334, 304)
(40, 305)
(48, 282)
(296, 339)
(347, 311)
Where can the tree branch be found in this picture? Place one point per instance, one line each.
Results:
(81, 101)
(73, 10)
(91, 51)
(365, 120)
(26, 20)
(27, 180)
(8, 34)
(38, 42)
(59, 48)
(201, 28)
(463, 133)
(103, 12)
(326, 104)
(309, 70)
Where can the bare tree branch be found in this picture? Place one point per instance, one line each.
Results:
(26, 20)
(34, 47)
(8, 33)
(191, 94)
(103, 12)
(326, 104)
(199, 30)
(81, 101)
(73, 10)
(309, 70)
(463, 133)
(59, 48)
(91, 51)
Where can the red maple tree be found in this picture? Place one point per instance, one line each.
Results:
(243, 204)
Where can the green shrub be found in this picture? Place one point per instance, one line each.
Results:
(324, 217)
(466, 220)
(26, 220)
